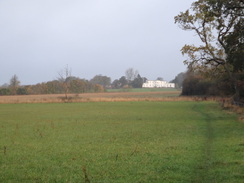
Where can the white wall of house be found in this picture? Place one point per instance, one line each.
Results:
(157, 84)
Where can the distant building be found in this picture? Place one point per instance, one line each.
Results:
(157, 84)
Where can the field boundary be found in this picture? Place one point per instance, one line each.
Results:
(102, 97)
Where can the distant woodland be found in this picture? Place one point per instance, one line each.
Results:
(66, 83)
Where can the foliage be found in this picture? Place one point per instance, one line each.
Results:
(75, 85)
(137, 82)
(219, 26)
(53, 87)
(79, 86)
(115, 84)
(120, 142)
(160, 79)
(124, 83)
(98, 88)
(197, 84)
(5, 91)
(178, 80)
(235, 47)
(132, 79)
(22, 91)
(104, 81)
(120, 83)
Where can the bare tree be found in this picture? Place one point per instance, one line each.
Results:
(131, 74)
(14, 84)
(64, 78)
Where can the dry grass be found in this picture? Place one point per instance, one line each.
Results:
(96, 97)
(231, 108)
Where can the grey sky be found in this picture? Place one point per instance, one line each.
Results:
(38, 38)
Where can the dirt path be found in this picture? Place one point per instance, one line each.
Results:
(202, 171)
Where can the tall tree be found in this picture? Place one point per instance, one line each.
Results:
(179, 79)
(137, 82)
(64, 78)
(78, 86)
(216, 23)
(123, 81)
(14, 84)
(131, 74)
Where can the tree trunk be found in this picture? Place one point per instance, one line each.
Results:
(234, 80)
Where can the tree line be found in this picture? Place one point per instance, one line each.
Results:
(66, 83)
(73, 84)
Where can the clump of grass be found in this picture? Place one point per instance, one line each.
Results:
(4, 150)
(227, 104)
(86, 179)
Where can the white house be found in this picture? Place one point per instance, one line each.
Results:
(157, 84)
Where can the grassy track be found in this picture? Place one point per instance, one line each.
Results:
(223, 150)
(120, 142)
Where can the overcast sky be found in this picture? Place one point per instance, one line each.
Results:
(38, 38)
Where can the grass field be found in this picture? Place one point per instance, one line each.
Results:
(120, 142)
(143, 90)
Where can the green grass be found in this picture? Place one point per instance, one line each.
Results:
(142, 90)
(117, 142)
